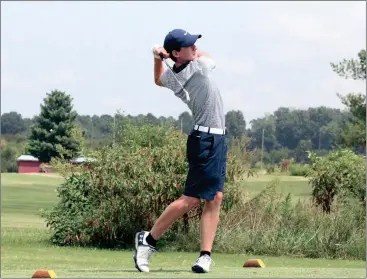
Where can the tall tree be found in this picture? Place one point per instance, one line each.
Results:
(12, 123)
(353, 132)
(267, 124)
(53, 129)
(235, 123)
(352, 68)
(301, 150)
(185, 122)
(323, 121)
(151, 119)
(287, 127)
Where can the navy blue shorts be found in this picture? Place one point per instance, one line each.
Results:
(207, 158)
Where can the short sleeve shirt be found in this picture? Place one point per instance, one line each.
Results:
(206, 102)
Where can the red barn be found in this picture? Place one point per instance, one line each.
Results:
(28, 164)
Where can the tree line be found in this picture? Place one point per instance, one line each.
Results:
(285, 133)
(281, 132)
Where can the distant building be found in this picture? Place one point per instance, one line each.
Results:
(81, 160)
(28, 164)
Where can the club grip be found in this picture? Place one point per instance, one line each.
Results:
(161, 55)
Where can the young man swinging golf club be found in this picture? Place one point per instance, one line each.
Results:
(206, 145)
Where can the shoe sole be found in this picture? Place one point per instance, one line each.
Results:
(136, 251)
(198, 269)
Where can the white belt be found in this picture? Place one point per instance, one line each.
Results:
(209, 130)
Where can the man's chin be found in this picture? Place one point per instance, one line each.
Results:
(190, 59)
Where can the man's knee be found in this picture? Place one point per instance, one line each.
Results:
(218, 197)
(191, 202)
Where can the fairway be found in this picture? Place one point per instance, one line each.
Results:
(297, 186)
(25, 247)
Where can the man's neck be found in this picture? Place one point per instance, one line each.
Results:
(179, 63)
(177, 67)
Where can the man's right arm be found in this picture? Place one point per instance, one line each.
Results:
(158, 64)
(158, 71)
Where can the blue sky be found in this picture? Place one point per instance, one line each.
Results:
(268, 54)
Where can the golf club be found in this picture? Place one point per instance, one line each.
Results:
(183, 88)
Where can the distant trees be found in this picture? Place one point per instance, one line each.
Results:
(12, 123)
(185, 122)
(285, 133)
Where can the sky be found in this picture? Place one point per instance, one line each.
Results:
(268, 54)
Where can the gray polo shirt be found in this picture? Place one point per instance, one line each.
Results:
(205, 103)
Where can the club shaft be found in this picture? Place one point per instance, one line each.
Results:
(183, 88)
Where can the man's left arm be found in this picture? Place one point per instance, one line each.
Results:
(200, 53)
(205, 60)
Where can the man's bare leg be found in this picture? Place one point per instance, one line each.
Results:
(209, 222)
(208, 228)
(145, 242)
(174, 211)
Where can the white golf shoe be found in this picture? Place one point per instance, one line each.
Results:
(143, 252)
(202, 264)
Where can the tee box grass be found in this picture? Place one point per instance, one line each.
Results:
(25, 246)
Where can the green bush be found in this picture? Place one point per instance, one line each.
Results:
(276, 155)
(9, 159)
(131, 183)
(299, 169)
(274, 224)
(68, 217)
(340, 172)
(127, 187)
(270, 168)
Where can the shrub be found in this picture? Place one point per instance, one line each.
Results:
(270, 168)
(127, 187)
(299, 169)
(68, 217)
(284, 165)
(276, 155)
(8, 159)
(275, 224)
(340, 172)
(245, 159)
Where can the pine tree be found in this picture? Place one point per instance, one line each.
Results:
(52, 133)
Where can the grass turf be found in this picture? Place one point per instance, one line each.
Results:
(25, 247)
(297, 186)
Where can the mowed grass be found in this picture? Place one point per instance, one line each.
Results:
(297, 186)
(25, 246)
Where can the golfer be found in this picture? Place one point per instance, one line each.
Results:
(206, 145)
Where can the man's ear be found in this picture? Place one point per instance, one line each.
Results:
(175, 53)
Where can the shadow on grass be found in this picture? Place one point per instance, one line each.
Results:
(132, 270)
